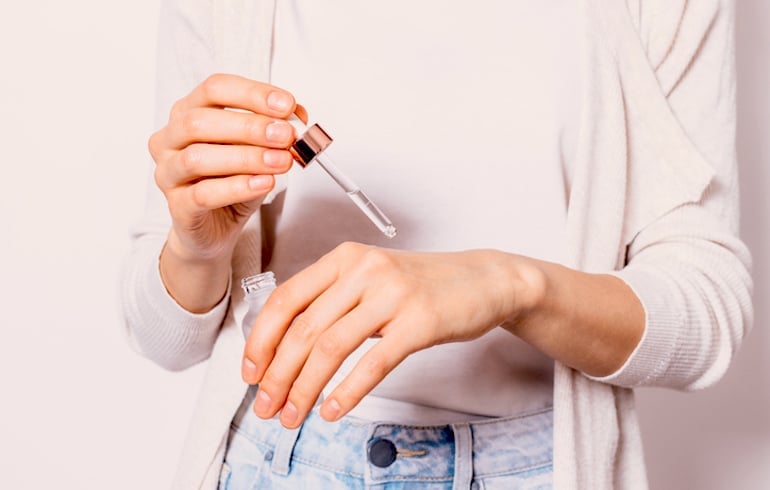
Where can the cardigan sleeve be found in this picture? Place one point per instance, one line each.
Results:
(156, 325)
(689, 268)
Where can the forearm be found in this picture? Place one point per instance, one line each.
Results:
(590, 322)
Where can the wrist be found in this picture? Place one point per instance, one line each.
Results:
(196, 283)
(198, 255)
(529, 292)
(590, 322)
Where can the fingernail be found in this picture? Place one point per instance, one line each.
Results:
(275, 158)
(289, 414)
(279, 132)
(258, 182)
(279, 101)
(262, 404)
(249, 369)
(331, 409)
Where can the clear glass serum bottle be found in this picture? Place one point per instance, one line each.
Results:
(256, 290)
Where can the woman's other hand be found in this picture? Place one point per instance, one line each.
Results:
(215, 166)
(317, 318)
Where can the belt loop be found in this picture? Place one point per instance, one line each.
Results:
(371, 430)
(283, 450)
(463, 457)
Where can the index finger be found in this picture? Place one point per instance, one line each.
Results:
(237, 92)
(284, 304)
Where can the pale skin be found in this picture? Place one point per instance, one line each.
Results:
(215, 167)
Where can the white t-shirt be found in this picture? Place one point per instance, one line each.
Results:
(427, 102)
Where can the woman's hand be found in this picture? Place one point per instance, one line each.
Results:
(215, 167)
(316, 319)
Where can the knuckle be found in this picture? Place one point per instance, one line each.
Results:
(346, 394)
(252, 128)
(191, 124)
(153, 145)
(177, 109)
(212, 86)
(349, 249)
(257, 92)
(401, 288)
(238, 188)
(158, 176)
(190, 160)
(304, 328)
(248, 160)
(330, 346)
(280, 298)
(374, 366)
(351, 246)
(274, 378)
(254, 350)
(200, 196)
(375, 259)
(302, 394)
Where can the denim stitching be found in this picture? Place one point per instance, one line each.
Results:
(324, 467)
(518, 471)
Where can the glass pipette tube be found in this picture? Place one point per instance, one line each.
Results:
(309, 147)
(357, 196)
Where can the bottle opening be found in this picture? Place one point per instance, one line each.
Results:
(259, 282)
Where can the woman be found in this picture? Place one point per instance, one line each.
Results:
(567, 173)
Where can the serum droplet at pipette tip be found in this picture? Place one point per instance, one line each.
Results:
(373, 212)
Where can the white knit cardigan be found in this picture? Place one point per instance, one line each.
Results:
(654, 201)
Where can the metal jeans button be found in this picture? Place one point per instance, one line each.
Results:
(382, 453)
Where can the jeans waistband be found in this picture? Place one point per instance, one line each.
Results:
(453, 452)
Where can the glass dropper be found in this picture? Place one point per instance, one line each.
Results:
(309, 146)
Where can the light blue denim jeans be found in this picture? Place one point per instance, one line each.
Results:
(506, 453)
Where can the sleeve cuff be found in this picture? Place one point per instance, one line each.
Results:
(161, 329)
(651, 357)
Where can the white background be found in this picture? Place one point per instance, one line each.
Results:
(78, 410)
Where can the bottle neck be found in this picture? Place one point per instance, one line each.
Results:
(259, 283)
